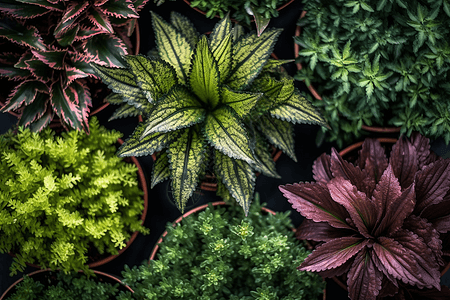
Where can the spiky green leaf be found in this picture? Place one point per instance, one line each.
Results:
(184, 25)
(279, 133)
(137, 146)
(238, 177)
(265, 163)
(125, 110)
(155, 77)
(221, 48)
(250, 55)
(179, 109)
(241, 102)
(204, 76)
(275, 63)
(298, 109)
(173, 47)
(161, 169)
(186, 163)
(225, 131)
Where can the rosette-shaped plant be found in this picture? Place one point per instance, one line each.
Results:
(217, 99)
(380, 220)
(53, 43)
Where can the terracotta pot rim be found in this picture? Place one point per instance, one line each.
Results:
(217, 16)
(12, 286)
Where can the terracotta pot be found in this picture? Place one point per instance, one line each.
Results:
(104, 277)
(316, 95)
(217, 16)
(143, 185)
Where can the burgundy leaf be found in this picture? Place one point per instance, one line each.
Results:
(394, 206)
(313, 201)
(372, 158)
(343, 269)
(422, 146)
(320, 231)
(332, 254)
(404, 162)
(363, 278)
(360, 208)
(321, 168)
(24, 94)
(432, 184)
(388, 288)
(411, 293)
(439, 214)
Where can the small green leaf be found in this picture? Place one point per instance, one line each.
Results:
(155, 77)
(241, 102)
(186, 163)
(184, 25)
(225, 131)
(238, 177)
(279, 133)
(204, 76)
(173, 47)
(179, 109)
(161, 169)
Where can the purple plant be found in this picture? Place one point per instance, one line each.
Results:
(50, 46)
(380, 221)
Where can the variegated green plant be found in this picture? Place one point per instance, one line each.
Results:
(210, 103)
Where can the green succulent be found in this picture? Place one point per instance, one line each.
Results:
(218, 99)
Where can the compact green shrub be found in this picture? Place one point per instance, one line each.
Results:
(378, 62)
(63, 195)
(221, 254)
(58, 285)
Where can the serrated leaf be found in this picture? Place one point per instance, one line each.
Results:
(17, 33)
(64, 103)
(100, 20)
(125, 110)
(185, 26)
(298, 110)
(73, 11)
(179, 109)
(54, 59)
(137, 146)
(238, 177)
(34, 110)
(21, 10)
(241, 102)
(155, 77)
(250, 55)
(42, 120)
(24, 94)
(173, 47)
(225, 131)
(68, 38)
(114, 98)
(279, 133)
(161, 169)
(82, 98)
(223, 55)
(260, 21)
(265, 163)
(274, 63)
(122, 81)
(204, 76)
(107, 50)
(119, 9)
(186, 163)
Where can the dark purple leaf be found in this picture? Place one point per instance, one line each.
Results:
(388, 288)
(321, 168)
(332, 254)
(439, 214)
(313, 201)
(404, 162)
(24, 94)
(343, 269)
(320, 231)
(360, 208)
(363, 278)
(372, 158)
(422, 146)
(411, 293)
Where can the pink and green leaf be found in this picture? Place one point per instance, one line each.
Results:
(34, 110)
(46, 4)
(87, 32)
(69, 36)
(43, 120)
(107, 50)
(22, 11)
(39, 69)
(78, 90)
(100, 20)
(24, 94)
(19, 34)
(53, 59)
(65, 103)
(119, 9)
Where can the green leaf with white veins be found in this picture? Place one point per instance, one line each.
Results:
(186, 163)
(238, 177)
(173, 47)
(204, 76)
(155, 77)
(241, 102)
(179, 109)
(225, 131)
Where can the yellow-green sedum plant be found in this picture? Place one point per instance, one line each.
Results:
(209, 103)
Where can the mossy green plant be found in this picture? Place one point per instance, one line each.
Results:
(63, 195)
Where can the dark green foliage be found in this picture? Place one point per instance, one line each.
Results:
(60, 195)
(221, 254)
(378, 62)
(75, 286)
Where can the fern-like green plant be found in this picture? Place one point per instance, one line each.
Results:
(63, 195)
(220, 254)
(218, 99)
(378, 62)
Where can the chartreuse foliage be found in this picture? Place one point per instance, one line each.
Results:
(218, 99)
(220, 254)
(57, 286)
(379, 62)
(61, 195)
(50, 45)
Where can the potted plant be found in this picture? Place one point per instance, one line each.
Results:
(213, 103)
(66, 198)
(47, 284)
(382, 223)
(220, 254)
(381, 63)
(49, 45)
